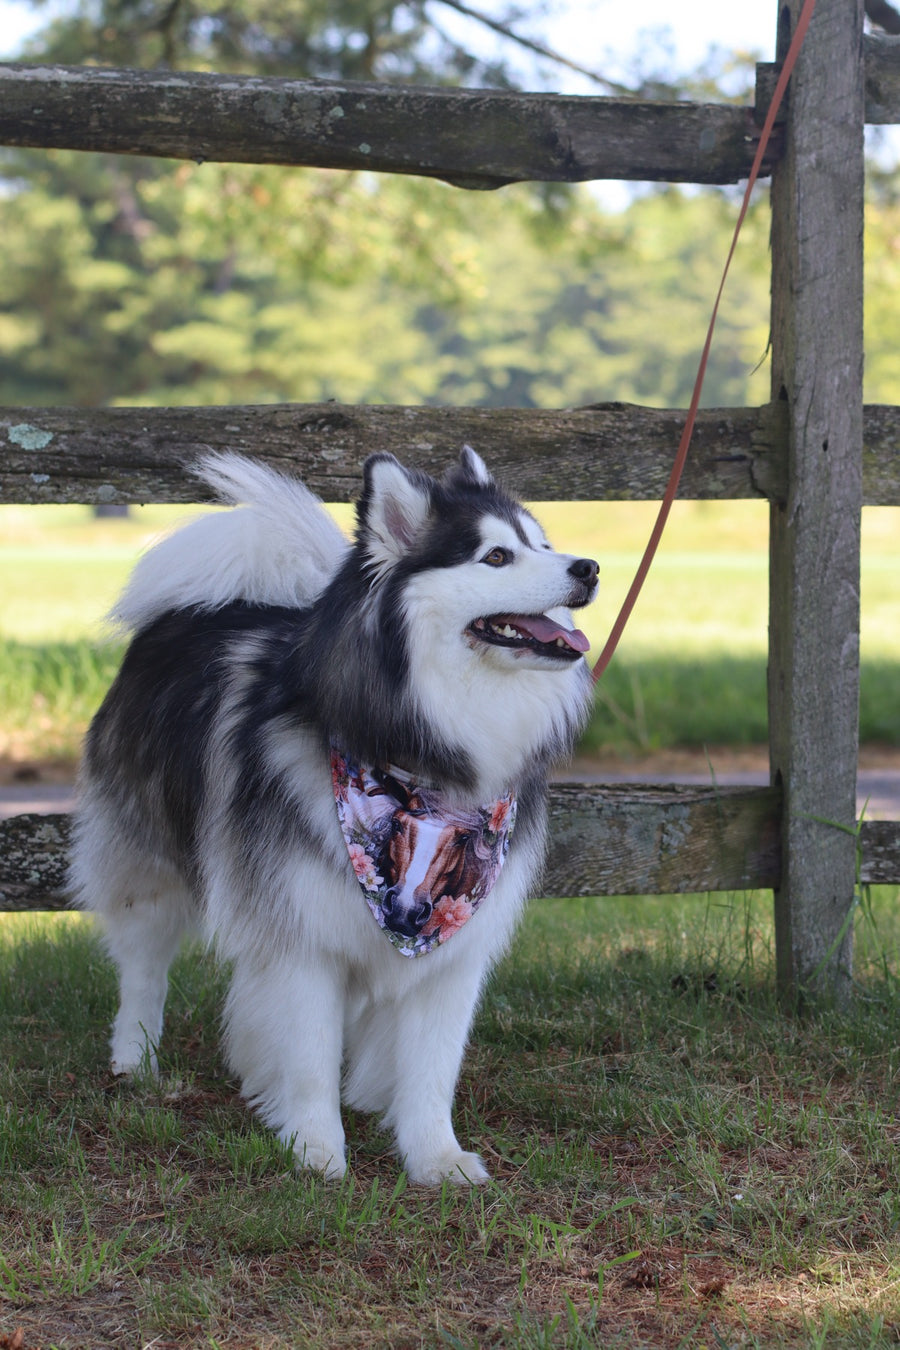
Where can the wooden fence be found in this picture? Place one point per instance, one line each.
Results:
(813, 452)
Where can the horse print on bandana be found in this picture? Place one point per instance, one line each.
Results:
(424, 868)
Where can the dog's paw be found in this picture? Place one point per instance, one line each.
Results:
(134, 1062)
(462, 1169)
(330, 1162)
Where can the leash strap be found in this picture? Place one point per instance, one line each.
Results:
(618, 627)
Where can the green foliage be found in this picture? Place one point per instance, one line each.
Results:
(124, 282)
(337, 39)
(144, 282)
(128, 283)
(615, 309)
(881, 382)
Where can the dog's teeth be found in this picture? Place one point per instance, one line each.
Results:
(509, 631)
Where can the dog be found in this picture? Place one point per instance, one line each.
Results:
(292, 710)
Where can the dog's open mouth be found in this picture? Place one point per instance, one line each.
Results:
(534, 632)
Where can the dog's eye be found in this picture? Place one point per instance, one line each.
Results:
(497, 557)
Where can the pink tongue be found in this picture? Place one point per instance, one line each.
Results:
(545, 630)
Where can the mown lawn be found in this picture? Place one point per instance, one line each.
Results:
(675, 1162)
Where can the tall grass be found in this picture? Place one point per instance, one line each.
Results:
(649, 703)
(690, 672)
(49, 691)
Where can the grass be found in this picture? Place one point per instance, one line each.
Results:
(690, 672)
(50, 690)
(676, 1163)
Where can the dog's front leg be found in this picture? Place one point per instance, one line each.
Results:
(432, 1027)
(284, 1032)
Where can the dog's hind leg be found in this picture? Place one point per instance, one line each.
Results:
(142, 936)
(145, 909)
(284, 1024)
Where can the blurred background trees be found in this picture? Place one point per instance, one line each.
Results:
(126, 280)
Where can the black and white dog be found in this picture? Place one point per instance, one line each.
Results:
(295, 718)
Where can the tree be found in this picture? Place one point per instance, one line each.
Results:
(136, 279)
(220, 284)
(392, 40)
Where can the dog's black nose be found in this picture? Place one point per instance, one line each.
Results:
(584, 569)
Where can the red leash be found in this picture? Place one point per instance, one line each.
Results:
(618, 627)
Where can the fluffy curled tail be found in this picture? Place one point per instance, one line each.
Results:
(279, 546)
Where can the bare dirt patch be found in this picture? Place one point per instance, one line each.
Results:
(721, 761)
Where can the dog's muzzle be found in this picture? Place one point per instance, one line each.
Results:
(585, 572)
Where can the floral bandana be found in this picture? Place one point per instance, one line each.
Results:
(424, 869)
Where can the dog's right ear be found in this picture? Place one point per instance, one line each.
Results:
(392, 511)
(469, 471)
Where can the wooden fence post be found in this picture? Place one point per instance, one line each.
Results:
(817, 226)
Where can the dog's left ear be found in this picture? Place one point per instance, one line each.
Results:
(393, 509)
(471, 471)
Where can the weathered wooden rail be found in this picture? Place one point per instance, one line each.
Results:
(814, 453)
(475, 138)
(471, 137)
(620, 839)
(615, 451)
(608, 452)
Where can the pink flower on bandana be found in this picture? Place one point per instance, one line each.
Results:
(448, 916)
(363, 866)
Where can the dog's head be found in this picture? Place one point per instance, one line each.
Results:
(471, 568)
